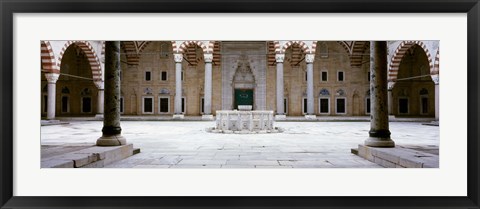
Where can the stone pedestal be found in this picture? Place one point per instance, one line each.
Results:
(280, 117)
(207, 117)
(310, 117)
(52, 80)
(379, 134)
(111, 122)
(178, 116)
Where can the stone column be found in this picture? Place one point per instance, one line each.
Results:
(280, 107)
(111, 122)
(309, 60)
(207, 104)
(52, 85)
(390, 98)
(178, 86)
(100, 98)
(379, 131)
(436, 80)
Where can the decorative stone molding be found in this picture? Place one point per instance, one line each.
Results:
(148, 91)
(208, 57)
(279, 57)
(436, 79)
(100, 85)
(390, 85)
(52, 77)
(309, 58)
(178, 57)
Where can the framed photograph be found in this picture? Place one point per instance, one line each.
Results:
(206, 74)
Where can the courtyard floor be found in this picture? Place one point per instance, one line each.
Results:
(187, 144)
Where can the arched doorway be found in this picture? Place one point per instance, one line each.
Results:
(413, 90)
(76, 90)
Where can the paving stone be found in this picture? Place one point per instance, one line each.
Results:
(162, 145)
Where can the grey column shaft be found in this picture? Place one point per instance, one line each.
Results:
(100, 104)
(280, 106)
(379, 128)
(437, 102)
(178, 88)
(51, 101)
(310, 88)
(111, 121)
(390, 102)
(207, 105)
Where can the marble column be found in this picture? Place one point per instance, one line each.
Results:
(207, 97)
(52, 85)
(100, 98)
(111, 122)
(379, 134)
(436, 80)
(178, 86)
(390, 98)
(280, 106)
(309, 60)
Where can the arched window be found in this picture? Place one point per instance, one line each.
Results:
(323, 50)
(65, 100)
(423, 101)
(86, 105)
(341, 102)
(324, 101)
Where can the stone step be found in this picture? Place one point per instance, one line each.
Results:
(398, 157)
(92, 157)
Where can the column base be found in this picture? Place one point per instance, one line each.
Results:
(99, 116)
(379, 142)
(113, 140)
(207, 117)
(178, 116)
(310, 117)
(280, 117)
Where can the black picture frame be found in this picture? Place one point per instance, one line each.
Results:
(10, 7)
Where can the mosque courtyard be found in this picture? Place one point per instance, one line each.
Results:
(188, 144)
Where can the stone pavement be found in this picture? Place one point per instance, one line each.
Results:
(187, 144)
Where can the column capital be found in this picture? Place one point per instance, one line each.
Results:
(100, 85)
(178, 57)
(436, 79)
(309, 58)
(390, 86)
(52, 77)
(279, 57)
(208, 57)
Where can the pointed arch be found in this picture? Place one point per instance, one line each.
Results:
(347, 45)
(398, 55)
(358, 50)
(181, 46)
(92, 57)
(47, 57)
(281, 48)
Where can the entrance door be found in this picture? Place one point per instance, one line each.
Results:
(243, 97)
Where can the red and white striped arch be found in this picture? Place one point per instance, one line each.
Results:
(48, 58)
(181, 46)
(436, 64)
(398, 55)
(281, 47)
(92, 57)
